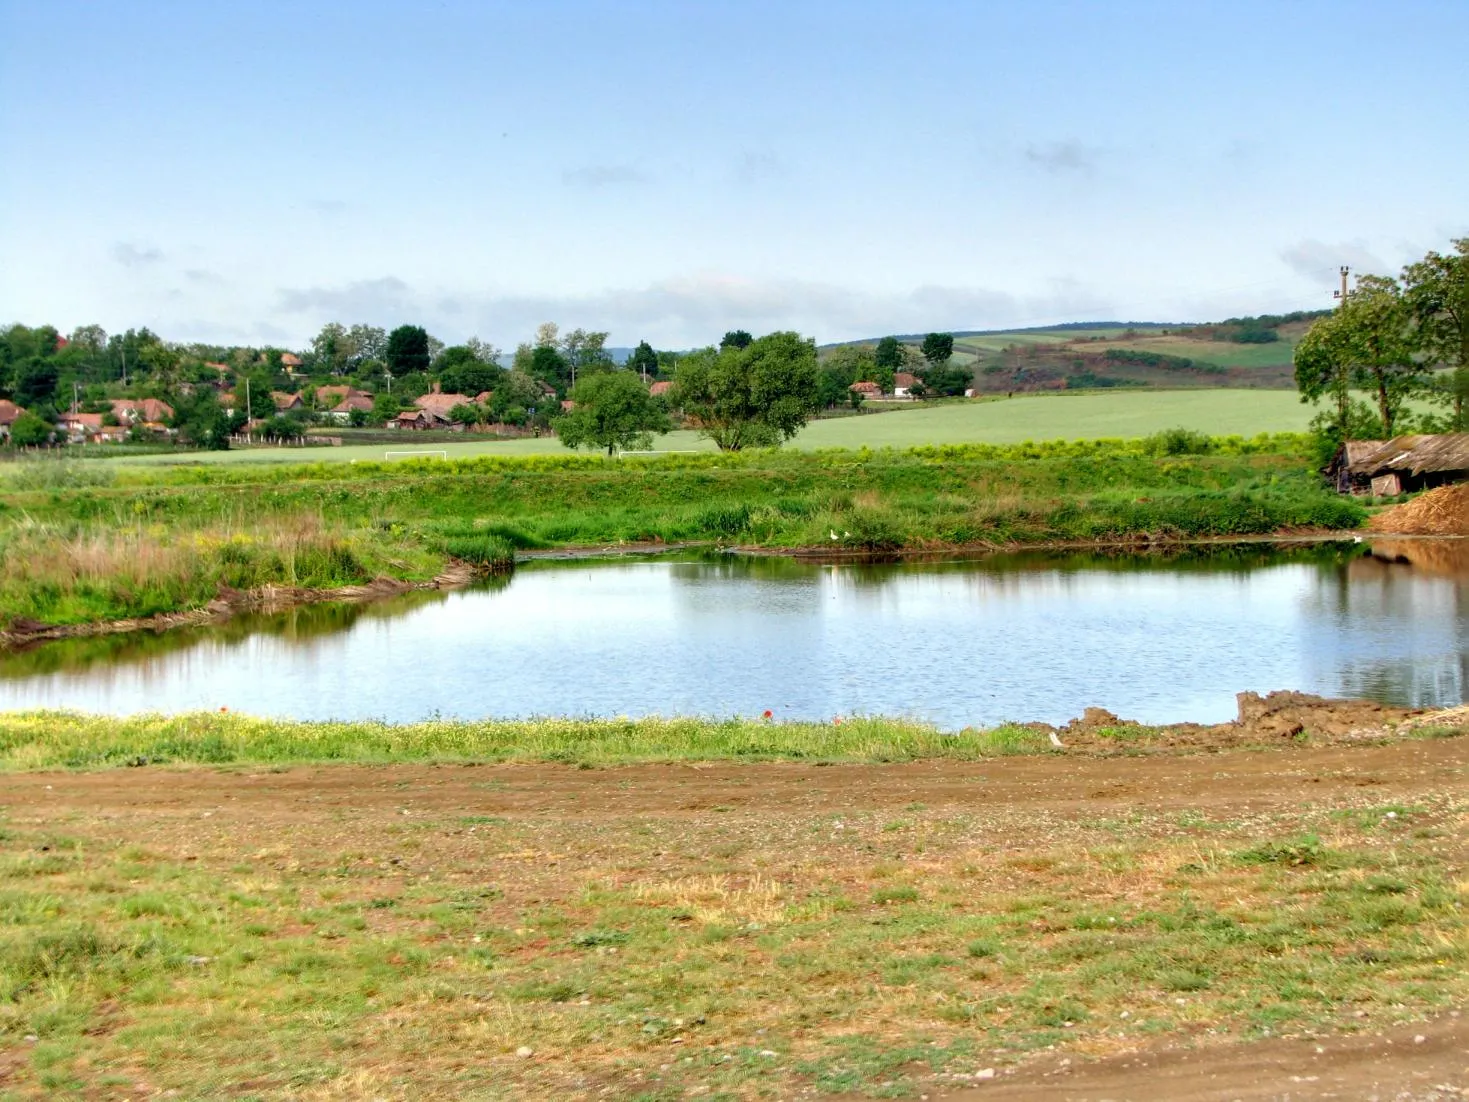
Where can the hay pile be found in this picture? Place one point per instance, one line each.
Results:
(1440, 512)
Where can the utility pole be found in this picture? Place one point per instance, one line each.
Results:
(1341, 296)
(248, 415)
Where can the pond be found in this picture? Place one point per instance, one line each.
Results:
(1005, 637)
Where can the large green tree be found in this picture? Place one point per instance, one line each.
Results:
(1377, 321)
(611, 409)
(756, 396)
(643, 359)
(1437, 293)
(1366, 343)
(736, 338)
(407, 350)
(461, 371)
(938, 348)
(889, 355)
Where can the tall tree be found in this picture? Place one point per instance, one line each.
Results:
(330, 347)
(1377, 321)
(889, 355)
(643, 359)
(756, 396)
(736, 338)
(585, 353)
(1437, 293)
(611, 409)
(1323, 370)
(407, 350)
(938, 348)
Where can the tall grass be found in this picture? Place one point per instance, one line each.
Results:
(75, 574)
(39, 740)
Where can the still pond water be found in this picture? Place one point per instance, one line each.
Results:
(1032, 637)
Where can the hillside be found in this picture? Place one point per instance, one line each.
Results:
(1239, 352)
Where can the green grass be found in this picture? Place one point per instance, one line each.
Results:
(41, 740)
(1222, 353)
(153, 539)
(1011, 421)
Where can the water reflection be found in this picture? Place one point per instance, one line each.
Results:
(1034, 636)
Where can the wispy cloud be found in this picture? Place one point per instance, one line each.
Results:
(755, 165)
(602, 176)
(693, 309)
(203, 277)
(135, 256)
(371, 299)
(327, 206)
(1312, 259)
(1062, 157)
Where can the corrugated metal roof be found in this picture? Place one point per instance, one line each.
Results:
(1415, 455)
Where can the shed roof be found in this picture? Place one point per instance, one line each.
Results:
(1416, 455)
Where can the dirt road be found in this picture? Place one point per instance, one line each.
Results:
(372, 835)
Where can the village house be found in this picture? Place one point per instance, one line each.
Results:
(1403, 464)
(353, 403)
(284, 400)
(903, 384)
(866, 389)
(421, 420)
(9, 414)
(138, 411)
(442, 404)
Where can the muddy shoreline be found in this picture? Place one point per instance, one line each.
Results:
(23, 634)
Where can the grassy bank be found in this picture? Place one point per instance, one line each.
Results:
(130, 542)
(43, 740)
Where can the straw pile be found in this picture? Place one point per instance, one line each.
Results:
(1440, 512)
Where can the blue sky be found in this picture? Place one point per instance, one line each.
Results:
(246, 172)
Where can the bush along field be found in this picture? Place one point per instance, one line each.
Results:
(134, 542)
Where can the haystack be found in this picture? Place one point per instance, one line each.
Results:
(1441, 512)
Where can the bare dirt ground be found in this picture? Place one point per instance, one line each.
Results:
(572, 826)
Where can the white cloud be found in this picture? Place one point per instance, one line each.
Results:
(1062, 157)
(134, 256)
(602, 176)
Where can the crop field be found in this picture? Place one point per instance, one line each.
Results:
(1007, 421)
(967, 929)
(1222, 353)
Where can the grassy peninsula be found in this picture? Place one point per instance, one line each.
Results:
(95, 542)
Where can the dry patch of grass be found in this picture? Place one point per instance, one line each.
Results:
(332, 951)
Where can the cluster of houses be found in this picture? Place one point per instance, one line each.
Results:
(1404, 464)
(149, 415)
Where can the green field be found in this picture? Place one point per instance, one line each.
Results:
(1223, 353)
(1002, 421)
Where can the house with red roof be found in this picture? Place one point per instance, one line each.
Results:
(9, 414)
(903, 384)
(136, 411)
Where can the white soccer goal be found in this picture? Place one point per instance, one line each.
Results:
(431, 452)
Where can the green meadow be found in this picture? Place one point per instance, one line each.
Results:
(998, 421)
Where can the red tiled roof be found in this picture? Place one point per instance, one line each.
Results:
(145, 409)
(290, 359)
(9, 411)
(92, 421)
(283, 400)
(441, 404)
(865, 387)
(353, 401)
(658, 388)
(904, 379)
